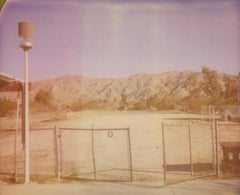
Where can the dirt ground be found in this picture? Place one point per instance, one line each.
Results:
(195, 187)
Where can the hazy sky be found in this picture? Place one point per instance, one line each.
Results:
(119, 38)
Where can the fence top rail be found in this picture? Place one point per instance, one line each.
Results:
(41, 129)
(188, 118)
(180, 122)
(32, 129)
(228, 123)
(187, 124)
(94, 129)
(7, 130)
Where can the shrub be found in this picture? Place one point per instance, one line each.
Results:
(7, 107)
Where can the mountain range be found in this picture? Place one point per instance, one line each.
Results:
(67, 89)
(76, 88)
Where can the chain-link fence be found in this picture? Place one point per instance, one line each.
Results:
(7, 153)
(188, 149)
(42, 154)
(180, 149)
(97, 154)
(147, 152)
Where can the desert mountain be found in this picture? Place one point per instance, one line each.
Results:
(137, 88)
(67, 89)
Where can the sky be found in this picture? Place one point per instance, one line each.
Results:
(120, 38)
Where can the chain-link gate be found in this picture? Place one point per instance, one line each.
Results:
(95, 154)
(188, 149)
(43, 152)
(182, 149)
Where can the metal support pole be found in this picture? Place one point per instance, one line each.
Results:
(15, 144)
(26, 31)
(217, 149)
(190, 148)
(23, 114)
(213, 147)
(55, 149)
(93, 155)
(164, 156)
(57, 152)
(60, 165)
(130, 155)
(27, 159)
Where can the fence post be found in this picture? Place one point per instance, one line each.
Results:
(213, 146)
(217, 148)
(15, 141)
(56, 151)
(60, 153)
(130, 154)
(190, 147)
(164, 156)
(93, 155)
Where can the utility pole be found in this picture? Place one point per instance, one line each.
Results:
(26, 32)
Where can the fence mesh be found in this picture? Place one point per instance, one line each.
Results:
(189, 149)
(43, 152)
(76, 153)
(178, 150)
(100, 154)
(7, 152)
(147, 154)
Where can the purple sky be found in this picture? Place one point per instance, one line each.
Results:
(112, 38)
